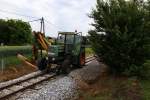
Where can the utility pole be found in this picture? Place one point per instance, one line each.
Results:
(42, 29)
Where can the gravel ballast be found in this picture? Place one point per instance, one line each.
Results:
(65, 88)
(88, 73)
(62, 89)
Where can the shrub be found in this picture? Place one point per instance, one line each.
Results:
(15, 32)
(121, 37)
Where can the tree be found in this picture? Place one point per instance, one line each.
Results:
(121, 37)
(15, 32)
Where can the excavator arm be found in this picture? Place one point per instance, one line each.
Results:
(40, 42)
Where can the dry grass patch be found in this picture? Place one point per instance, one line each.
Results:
(15, 72)
(112, 88)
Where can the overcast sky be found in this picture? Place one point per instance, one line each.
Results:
(62, 15)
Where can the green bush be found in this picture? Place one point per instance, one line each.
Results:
(145, 87)
(145, 73)
(15, 32)
(89, 52)
(122, 35)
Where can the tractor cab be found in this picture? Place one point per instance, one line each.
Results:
(68, 40)
(68, 44)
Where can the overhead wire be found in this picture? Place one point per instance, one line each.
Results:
(34, 20)
(33, 17)
(50, 23)
(17, 13)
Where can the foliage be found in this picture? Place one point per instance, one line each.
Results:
(121, 37)
(89, 52)
(145, 86)
(15, 32)
(145, 71)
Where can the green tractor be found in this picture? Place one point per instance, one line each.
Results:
(67, 52)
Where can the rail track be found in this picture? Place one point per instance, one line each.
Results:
(89, 59)
(12, 87)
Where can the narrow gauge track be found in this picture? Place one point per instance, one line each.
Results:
(17, 85)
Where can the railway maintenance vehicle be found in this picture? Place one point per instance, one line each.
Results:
(66, 52)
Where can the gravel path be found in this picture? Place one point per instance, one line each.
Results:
(63, 88)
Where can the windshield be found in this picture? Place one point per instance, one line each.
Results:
(61, 38)
(69, 38)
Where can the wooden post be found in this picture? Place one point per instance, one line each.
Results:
(2, 65)
(2, 61)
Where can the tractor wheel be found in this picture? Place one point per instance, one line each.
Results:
(66, 66)
(42, 64)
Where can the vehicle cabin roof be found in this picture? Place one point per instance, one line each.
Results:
(68, 33)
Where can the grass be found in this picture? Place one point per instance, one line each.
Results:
(98, 97)
(12, 60)
(9, 54)
(145, 85)
(13, 67)
(104, 95)
(13, 50)
(89, 52)
(112, 88)
(14, 72)
(13, 47)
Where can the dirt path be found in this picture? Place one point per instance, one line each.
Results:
(108, 87)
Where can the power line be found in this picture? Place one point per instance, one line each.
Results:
(50, 23)
(16, 13)
(36, 18)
